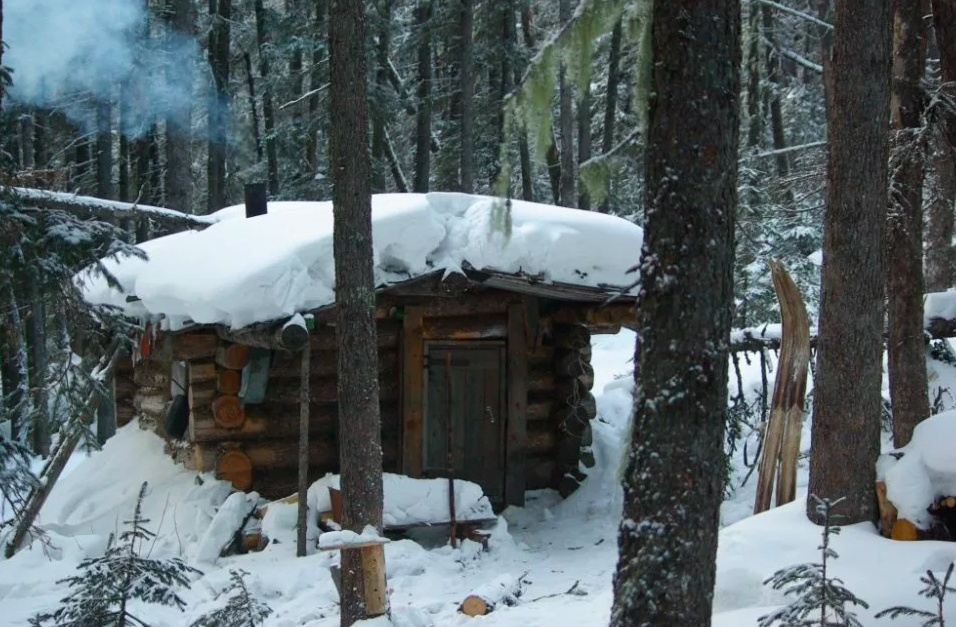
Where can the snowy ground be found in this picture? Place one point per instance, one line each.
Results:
(554, 544)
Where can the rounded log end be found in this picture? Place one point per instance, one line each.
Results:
(227, 412)
(474, 606)
(235, 467)
(293, 337)
(229, 382)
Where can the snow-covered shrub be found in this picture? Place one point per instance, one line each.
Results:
(240, 610)
(101, 593)
(822, 600)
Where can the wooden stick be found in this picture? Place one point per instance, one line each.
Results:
(303, 509)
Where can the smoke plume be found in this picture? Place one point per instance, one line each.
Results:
(63, 50)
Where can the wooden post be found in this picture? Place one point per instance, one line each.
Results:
(373, 572)
(303, 511)
(256, 200)
(412, 373)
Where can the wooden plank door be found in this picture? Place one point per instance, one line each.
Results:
(464, 411)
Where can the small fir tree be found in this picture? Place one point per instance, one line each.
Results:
(934, 589)
(101, 594)
(241, 609)
(822, 600)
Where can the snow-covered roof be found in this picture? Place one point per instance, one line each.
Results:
(240, 271)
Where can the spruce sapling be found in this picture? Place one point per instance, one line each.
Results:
(240, 610)
(822, 600)
(934, 589)
(101, 593)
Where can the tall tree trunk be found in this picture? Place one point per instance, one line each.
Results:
(944, 21)
(904, 226)
(610, 105)
(179, 75)
(940, 257)
(668, 536)
(315, 82)
(773, 77)
(295, 9)
(584, 142)
(846, 408)
(379, 117)
(37, 372)
(104, 149)
(566, 121)
(27, 135)
(125, 126)
(41, 156)
(360, 450)
(13, 365)
(268, 107)
(253, 110)
(218, 103)
(423, 121)
(467, 80)
(754, 120)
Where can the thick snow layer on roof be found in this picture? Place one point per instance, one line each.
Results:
(239, 271)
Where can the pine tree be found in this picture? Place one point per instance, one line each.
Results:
(934, 589)
(241, 609)
(822, 600)
(102, 591)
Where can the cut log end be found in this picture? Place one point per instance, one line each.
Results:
(475, 606)
(227, 412)
(904, 530)
(235, 467)
(232, 356)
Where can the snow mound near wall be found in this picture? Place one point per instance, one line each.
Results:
(925, 471)
(239, 271)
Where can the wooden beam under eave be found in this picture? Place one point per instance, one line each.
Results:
(613, 315)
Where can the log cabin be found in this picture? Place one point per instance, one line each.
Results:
(490, 361)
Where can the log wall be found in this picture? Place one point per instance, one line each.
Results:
(259, 441)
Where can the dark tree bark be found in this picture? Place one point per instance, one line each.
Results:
(846, 409)
(360, 451)
(36, 372)
(939, 240)
(668, 537)
(125, 125)
(218, 103)
(268, 107)
(904, 226)
(104, 150)
(773, 77)
(295, 9)
(379, 153)
(27, 135)
(315, 82)
(41, 156)
(610, 105)
(566, 121)
(423, 120)
(584, 142)
(253, 110)
(754, 120)
(944, 22)
(467, 82)
(13, 365)
(178, 181)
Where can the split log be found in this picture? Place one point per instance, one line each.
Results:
(323, 421)
(597, 315)
(232, 356)
(888, 512)
(503, 591)
(541, 379)
(200, 371)
(491, 327)
(324, 363)
(782, 439)
(190, 345)
(201, 394)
